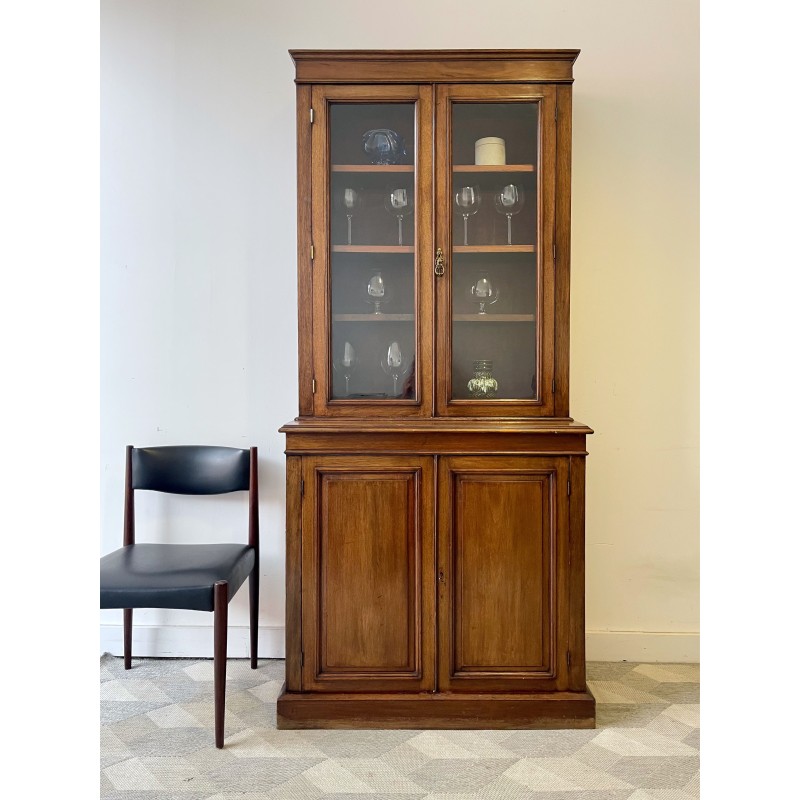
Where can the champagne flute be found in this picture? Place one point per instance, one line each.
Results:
(399, 202)
(468, 199)
(509, 201)
(350, 199)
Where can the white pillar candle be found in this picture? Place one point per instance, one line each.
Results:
(490, 150)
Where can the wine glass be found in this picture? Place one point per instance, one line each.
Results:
(484, 293)
(509, 201)
(345, 364)
(394, 364)
(468, 199)
(351, 199)
(376, 292)
(399, 202)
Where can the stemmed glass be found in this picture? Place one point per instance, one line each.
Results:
(468, 199)
(483, 293)
(351, 199)
(509, 201)
(346, 364)
(376, 292)
(394, 364)
(399, 202)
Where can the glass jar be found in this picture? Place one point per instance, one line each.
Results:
(482, 385)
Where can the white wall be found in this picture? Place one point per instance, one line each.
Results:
(198, 297)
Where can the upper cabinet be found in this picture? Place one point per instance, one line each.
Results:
(433, 233)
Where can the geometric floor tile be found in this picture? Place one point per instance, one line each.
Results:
(331, 777)
(641, 742)
(617, 692)
(688, 714)
(157, 743)
(131, 775)
(436, 744)
(670, 673)
(173, 717)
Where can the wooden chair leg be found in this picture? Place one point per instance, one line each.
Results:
(127, 635)
(254, 618)
(220, 658)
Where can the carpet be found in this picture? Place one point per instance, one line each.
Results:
(157, 743)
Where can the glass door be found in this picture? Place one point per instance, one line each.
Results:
(495, 150)
(371, 220)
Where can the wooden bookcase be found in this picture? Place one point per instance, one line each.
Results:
(435, 502)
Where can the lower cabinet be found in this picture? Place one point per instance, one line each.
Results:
(435, 591)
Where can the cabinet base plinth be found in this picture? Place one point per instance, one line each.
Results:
(446, 711)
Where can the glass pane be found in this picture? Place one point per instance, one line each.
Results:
(495, 336)
(373, 251)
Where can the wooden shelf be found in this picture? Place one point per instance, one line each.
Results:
(372, 168)
(494, 248)
(489, 317)
(493, 168)
(372, 248)
(373, 317)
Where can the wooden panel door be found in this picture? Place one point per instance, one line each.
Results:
(368, 565)
(503, 573)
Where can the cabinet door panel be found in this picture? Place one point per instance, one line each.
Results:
(495, 207)
(367, 542)
(371, 218)
(503, 533)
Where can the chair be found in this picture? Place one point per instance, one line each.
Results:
(203, 577)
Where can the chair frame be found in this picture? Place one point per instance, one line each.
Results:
(221, 598)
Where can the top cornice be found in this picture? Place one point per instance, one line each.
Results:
(433, 66)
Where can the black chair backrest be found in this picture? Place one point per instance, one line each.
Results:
(190, 469)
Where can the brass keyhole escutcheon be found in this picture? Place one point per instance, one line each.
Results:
(438, 267)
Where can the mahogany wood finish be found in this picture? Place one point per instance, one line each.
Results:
(128, 537)
(304, 263)
(127, 636)
(563, 180)
(253, 539)
(435, 546)
(433, 66)
(517, 711)
(220, 659)
(294, 571)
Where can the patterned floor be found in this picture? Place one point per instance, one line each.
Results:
(157, 743)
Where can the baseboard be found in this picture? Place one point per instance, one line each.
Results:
(191, 641)
(652, 646)
(196, 641)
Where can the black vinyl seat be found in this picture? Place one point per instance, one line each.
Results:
(172, 575)
(202, 577)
